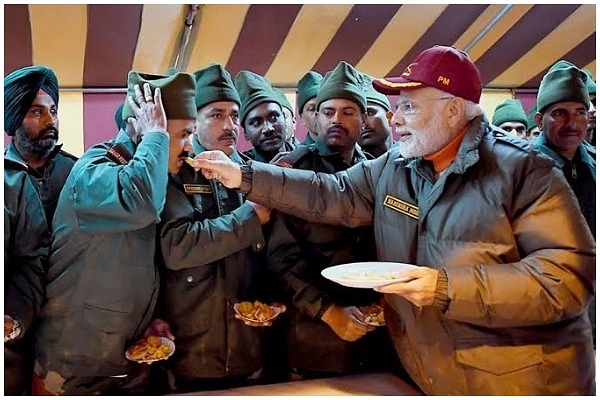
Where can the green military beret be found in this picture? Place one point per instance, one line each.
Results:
(21, 88)
(213, 84)
(510, 110)
(563, 82)
(590, 83)
(283, 99)
(308, 87)
(253, 90)
(178, 92)
(531, 118)
(372, 95)
(343, 82)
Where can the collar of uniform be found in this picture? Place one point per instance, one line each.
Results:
(585, 153)
(324, 151)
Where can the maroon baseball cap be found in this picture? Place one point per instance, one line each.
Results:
(441, 67)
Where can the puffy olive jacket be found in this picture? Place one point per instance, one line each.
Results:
(210, 242)
(503, 225)
(102, 281)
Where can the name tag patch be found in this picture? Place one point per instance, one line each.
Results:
(196, 189)
(401, 206)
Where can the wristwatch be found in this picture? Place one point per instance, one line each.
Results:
(246, 185)
(14, 333)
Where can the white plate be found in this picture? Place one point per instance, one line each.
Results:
(366, 275)
(163, 340)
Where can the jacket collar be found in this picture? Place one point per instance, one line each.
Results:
(325, 151)
(585, 152)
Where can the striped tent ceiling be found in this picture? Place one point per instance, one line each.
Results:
(95, 45)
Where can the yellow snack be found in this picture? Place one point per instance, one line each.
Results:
(148, 349)
(373, 314)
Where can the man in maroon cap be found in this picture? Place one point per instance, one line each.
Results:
(504, 263)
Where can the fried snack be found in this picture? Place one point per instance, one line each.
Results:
(189, 161)
(256, 311)
(373, 314)
(149, 349)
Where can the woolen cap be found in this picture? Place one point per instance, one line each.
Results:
(20, 90)
(178, 93)
(563, 82)
(213, 84)
(253, 90)
(372, 95)
(343, 82)
(510, 110)
(308, 87)
(442, 67)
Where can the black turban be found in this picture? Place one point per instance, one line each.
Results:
(21, 88)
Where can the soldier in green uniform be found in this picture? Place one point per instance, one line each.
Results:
(298, 251)
(563, 102)
(308, 87)
(25, 264)
(211, 240)
(376, 135)
(102, 281)
(261, 116)
(31, 117)
(290, 119)
(510, 116)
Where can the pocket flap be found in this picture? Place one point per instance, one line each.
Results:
(500, 360)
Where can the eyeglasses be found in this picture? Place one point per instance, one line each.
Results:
(408, 107)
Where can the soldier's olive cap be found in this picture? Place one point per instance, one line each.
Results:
(372, 95)
(283, 99)
(562, 83)
(253, 90)
(308, 87)
(510, 110)
(213, 84)
(343, 82)
(177, 93)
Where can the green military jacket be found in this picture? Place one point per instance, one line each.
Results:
(102, 281)
(297, 252)
(211, 244)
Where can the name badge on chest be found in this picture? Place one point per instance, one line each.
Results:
(401, 206)
(196, 189)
